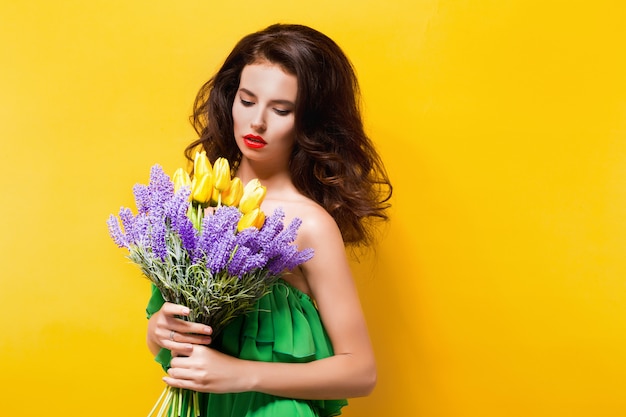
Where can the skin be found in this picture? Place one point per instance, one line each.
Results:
(264, 107)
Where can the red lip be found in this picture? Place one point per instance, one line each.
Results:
(254, 141)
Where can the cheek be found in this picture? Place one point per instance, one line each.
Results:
(289, 135)
(287, 127)
(238, 113)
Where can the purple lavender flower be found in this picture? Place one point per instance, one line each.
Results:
(244, 261)
(125, 234)
(273, 225)
(282, 254)
(175, 212)
(142, 198)
(119, 237)
(160, 188)
(131, 231)
(249, 238)
(283, 239)
(271, 247)
(158, 231)
(153, 201)
(128, 221)
(139, 234)
(288, 259)
(217, 238)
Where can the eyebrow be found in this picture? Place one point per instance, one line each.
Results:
(283, 102)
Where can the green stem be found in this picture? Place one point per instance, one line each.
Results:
(195, 215)
(196, 404)
(181, 401)
(175, 404)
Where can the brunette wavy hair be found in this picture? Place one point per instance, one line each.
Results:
(333, 161)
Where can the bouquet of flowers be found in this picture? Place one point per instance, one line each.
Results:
(207, 245)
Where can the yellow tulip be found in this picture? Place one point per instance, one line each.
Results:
(180, 179)
(260, 219)
(253, 195)
(232, 195)
(202, 188)
(221, 174)
(201, 165)
(216, 198)
(254, 218)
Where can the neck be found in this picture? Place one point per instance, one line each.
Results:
(275, 178)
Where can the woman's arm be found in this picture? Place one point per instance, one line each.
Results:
(351, 372)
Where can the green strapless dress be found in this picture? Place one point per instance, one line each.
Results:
(284, 327)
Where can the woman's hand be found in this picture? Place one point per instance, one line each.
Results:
(206, 370)
(167, 330)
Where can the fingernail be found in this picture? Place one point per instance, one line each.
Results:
(185, 311)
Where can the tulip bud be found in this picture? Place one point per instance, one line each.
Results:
(201, 189)
(221, 174)
(253, 195)
(180, 179)
(216, 198)
(201, 164)
(232, 195)
(254, 218)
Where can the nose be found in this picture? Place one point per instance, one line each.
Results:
(258, 122)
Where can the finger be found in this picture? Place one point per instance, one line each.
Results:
(179, 373)
(181, 383)
(195, 339)
(184, 337)
(189, 327)
(179, 349)
(172, 309)
(178, 362)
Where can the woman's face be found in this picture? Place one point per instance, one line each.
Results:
(263, 113)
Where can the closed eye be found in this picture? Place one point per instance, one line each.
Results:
(282, 112)
(246, 103)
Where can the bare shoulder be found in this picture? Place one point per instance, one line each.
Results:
(317, 224)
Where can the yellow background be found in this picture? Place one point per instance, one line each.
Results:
(498, 288)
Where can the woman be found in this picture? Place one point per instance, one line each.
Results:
(283, 108)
